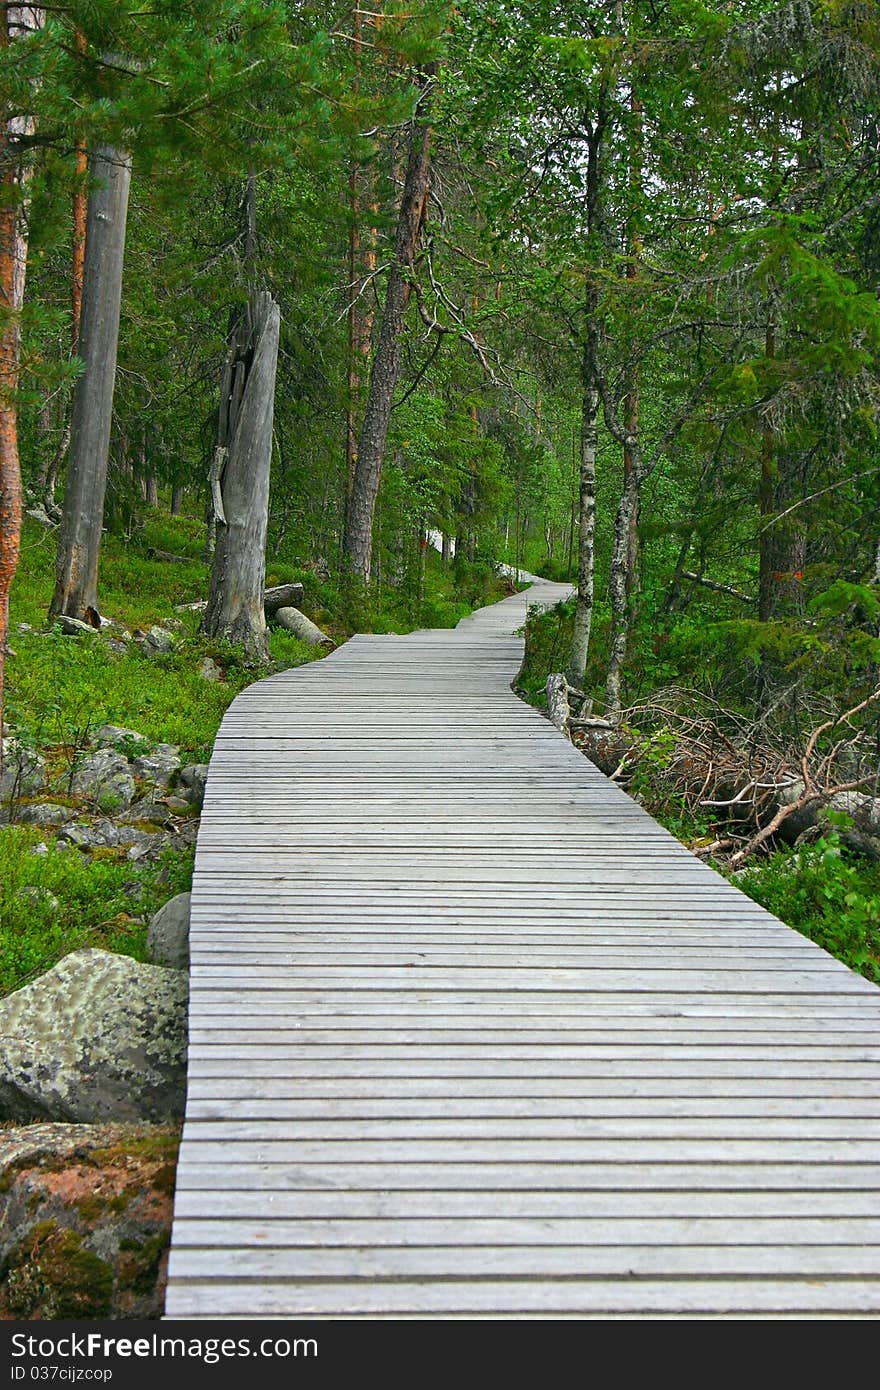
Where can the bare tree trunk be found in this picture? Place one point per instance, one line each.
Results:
(446, 550)
(620, 614)
(358, 540)
(151, 484)
(589, 445)
(76, 585)
(176, 499)
(241, 488)
(14, 172)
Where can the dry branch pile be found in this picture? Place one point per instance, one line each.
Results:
(755, 786)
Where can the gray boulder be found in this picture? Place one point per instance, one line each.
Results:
(102, 835)
(24, 772)
(192, 780)
(158, 641)
(114, 736)
(168, 933)
(44, 813)
(99, 1037)
(105, 778)
(159, 766)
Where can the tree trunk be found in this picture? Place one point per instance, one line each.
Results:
(357, 544)
(589, 445)
(152, 489)
(235, 600)
(176, 499)
(618, 590)
(13, 262)
(76, 585)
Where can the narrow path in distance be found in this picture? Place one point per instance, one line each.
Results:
(472, 1035)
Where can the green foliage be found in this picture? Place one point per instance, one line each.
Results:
(827, 895)
(64, 900)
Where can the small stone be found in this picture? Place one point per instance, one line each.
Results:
(25, 627)
(168, 933)
(75, 627)
(41, 848)
(40, 515)
(160, 640)
(178, 804)
(159, 766)
(41, 896)
(104, 835)
(209, 670)
(114, 736)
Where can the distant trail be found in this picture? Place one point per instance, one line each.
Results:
(471, 1035)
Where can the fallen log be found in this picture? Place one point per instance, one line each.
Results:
(302, 627)
(282, 596)
(153, 553)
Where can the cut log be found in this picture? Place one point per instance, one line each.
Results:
(302, 627)
(283, 596)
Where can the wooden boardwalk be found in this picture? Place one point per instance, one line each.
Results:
(472, 1036)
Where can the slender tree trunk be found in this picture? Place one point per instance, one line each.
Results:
(235, 600)
(357, 545)
(176, 499)
(620, 615)
(76, 585)
(14, 171)
(152, 489)
(589, 447)
(446, 550)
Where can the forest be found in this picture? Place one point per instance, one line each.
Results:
(319, 320)
(589, 290)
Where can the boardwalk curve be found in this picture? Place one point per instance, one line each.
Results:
(472, 1036)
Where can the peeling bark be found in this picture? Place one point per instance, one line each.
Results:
(235, 600)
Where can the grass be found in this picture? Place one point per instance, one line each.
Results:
(63, 900)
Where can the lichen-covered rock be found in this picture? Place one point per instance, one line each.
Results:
(158, 641)
(24, 771)
(209, 670)
(159, 766)
(193, 780)
(105, 778)
(168, 933)
(44, 813)
(102, 835)
(99, 1037)
(114, 736)
(85, 1220)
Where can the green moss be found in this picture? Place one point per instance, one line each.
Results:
(50, 1273)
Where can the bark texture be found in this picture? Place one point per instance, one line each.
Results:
(17, 21)
(586, 510)
(240, 480)
(76, 583)
(385, 370)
